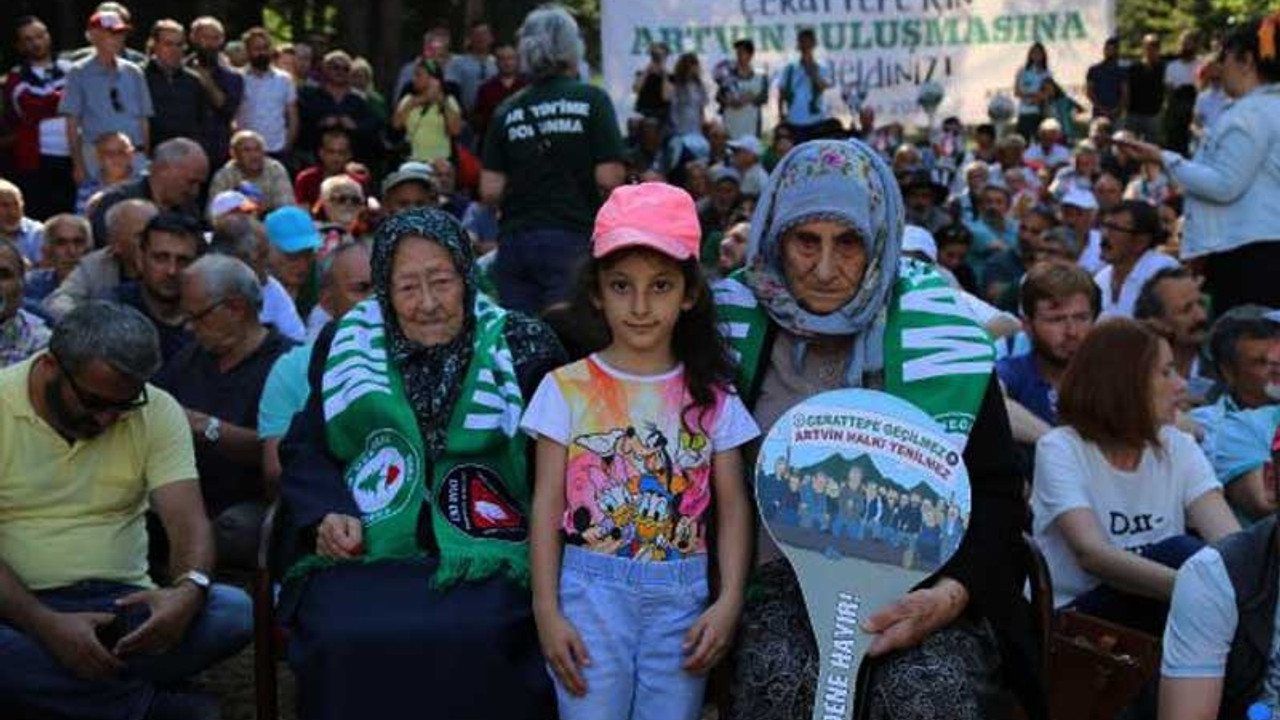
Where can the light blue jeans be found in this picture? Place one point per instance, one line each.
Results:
(633, 615)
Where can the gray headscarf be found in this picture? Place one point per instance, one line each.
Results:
(433, 376)
(844, 181)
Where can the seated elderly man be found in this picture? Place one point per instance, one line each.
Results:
(86, 446)
(1244, 344)
(22, 334)
(344, 281)
(1172, 299)
(218, 380)
(99, 273)
(170, 243)
(66, 239)
(16, 227)
(249, 163)
(174, 181)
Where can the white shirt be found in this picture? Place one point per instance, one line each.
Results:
(1091, 257)
(1056, 155)
(1148, 265)
(316, 321)
(265, 107)
(278, 310)
(1179, 72)
(1134, 509)
(1202, 622)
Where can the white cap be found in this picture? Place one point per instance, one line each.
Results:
(1081, 198)
(918, 239)
(750, 143)
(229, 201)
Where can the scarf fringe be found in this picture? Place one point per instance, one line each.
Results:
(452, 571)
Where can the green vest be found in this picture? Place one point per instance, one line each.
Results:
(936, 355)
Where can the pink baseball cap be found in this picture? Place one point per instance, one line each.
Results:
(655, 215)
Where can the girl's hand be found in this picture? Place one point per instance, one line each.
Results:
(710, 637)
(340, 537)
(564, 650)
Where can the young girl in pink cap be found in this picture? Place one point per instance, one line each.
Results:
(634, 444)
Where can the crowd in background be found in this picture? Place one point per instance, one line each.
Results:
(228, 192)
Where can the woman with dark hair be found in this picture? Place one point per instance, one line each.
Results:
(1117, 486)
(1029, 88)
(406, 494)
(1232, 185)
(689, 99)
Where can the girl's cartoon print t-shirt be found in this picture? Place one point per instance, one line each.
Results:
(638, 478)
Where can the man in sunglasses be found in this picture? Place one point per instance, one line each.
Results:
(105, 93)
(86, 446)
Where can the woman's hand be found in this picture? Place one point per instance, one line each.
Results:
(710, 637)
(340, 537)
(1141, 151)
(564, 650)
(910, 619)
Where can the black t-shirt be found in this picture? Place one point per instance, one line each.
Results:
(1146, 88)
(173, 338)
(193, 378)
(548, 139)
(649, 102)
(1108, 80)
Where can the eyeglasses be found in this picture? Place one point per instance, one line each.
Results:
(346, 199)
(97, 404)
(197, 317)
(115, 100)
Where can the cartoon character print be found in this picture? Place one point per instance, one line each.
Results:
(638, 498)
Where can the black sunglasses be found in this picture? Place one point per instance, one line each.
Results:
(198, 316)
(115, 100)
(94, 403)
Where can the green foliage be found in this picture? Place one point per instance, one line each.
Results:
(1169, 18)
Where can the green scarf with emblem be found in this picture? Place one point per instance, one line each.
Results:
(477, 490)
(936, 355)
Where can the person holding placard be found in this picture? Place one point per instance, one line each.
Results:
(820, 306)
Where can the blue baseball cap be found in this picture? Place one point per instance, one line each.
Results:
(291, 230)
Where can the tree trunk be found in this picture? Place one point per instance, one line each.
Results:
(388, 56)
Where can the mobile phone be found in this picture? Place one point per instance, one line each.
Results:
(110, 633)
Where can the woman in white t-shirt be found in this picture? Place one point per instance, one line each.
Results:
(1116, 486)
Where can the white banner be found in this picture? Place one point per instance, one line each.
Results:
(883, 49)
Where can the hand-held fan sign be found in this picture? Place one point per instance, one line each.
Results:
(866, 496)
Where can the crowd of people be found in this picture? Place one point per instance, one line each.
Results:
(502, 359)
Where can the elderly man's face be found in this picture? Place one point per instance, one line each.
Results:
(249, 156)
(823, 262)
(217, 324)
(1108, 192)
(11, 272)
(427, 292)
(179, 183)
(1257, 365)
(168, 48)
(291, 269)
(208, 37)
(125, 237)
(408, 195)
(350, 281)
(64, 245)
(11, 209)
(115, 155)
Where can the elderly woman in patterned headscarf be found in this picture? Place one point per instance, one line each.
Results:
(819, 306)
(406, 492)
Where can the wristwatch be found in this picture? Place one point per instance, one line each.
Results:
(195, 577)
(213, 431)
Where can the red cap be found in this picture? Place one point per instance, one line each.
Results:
(108, 20)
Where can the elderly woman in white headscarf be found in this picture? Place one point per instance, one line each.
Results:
(819, 307)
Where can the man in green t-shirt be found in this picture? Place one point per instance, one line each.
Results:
(551, 155)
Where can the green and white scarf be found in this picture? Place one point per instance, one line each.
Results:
(936, 355)
(477, 490)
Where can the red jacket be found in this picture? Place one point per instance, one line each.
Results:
(29, 99)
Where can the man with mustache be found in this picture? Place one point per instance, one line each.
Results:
(1245, 346)
(1173, 301)
(1130, 232)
